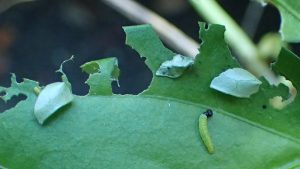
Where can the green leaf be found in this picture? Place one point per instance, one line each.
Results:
(213, 59)
(53, 97)
(1, 167)
(26, 87)
(158, 128)
(175, 67)
(137, 132)
(288, 64)
(102, 73)
(236, 82)
(290, 19)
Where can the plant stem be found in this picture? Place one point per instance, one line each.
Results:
(169, 33)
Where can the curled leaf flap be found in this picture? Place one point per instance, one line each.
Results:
(175, 67)
(52, 97)
(236, 82)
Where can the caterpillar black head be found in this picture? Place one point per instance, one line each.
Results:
(208, 113)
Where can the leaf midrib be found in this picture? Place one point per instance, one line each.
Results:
(219, 110)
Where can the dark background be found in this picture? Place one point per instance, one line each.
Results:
(35, 37)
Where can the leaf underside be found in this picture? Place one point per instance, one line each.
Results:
(159, 127)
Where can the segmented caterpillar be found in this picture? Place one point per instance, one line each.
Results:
(204, 131)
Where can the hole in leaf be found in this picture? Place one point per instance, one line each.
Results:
(132, 79)
(264, 106)
(11, 103)
(115, 84)
(206, 26)
(2, 93)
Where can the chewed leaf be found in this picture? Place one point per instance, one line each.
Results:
(158, 128)
(214, 57)
(175, 67)
(102, 73)
(236, 82)
(26, 87)
(287, 65)
(52, 97)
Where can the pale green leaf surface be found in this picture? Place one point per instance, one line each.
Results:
(157, 131)
(102, 73)
(53, 97)
(137, 132)
(175, 67)
(290, 19)
(236, 82)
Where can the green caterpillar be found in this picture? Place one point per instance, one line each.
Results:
(204, 131)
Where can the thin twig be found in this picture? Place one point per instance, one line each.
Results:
(169, 33)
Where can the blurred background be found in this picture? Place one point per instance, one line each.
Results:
(35, 37)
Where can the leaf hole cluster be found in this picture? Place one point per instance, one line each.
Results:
(11, 103)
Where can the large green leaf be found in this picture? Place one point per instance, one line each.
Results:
(158, 128)
(290, 19)
(213, 59)
(137, 132)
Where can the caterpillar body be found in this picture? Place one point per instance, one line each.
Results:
(204, 130)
